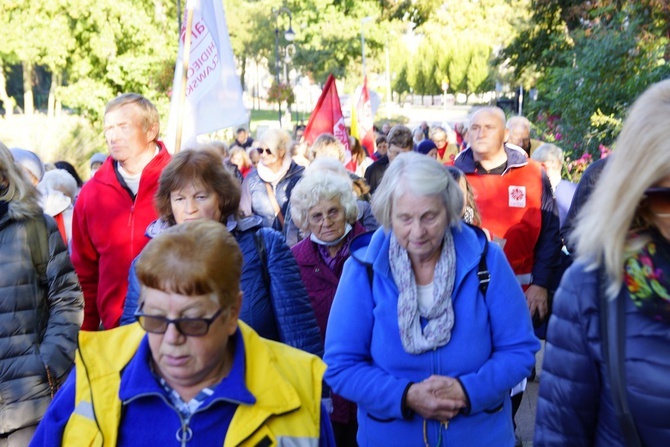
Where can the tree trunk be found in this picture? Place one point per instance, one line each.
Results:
(28, 101)
(8, 102)
(51, 103)
(243, 74)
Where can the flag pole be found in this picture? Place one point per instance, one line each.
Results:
(184, 76)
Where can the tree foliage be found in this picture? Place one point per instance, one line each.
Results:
(589, 61)
(98, 48)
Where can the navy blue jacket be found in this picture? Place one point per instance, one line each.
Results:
(283, 313)
(574, 405)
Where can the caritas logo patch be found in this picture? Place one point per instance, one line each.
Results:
(517, 196)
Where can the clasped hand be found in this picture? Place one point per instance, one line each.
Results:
(437, 397)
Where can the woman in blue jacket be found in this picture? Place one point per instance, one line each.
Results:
(622, 240)
(412, 338)
(196, 185)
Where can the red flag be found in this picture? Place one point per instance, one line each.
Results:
(327, 118)
(365, 119)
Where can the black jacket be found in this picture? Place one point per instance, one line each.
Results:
(38, 328)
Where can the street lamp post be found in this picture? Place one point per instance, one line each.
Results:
(289, 35)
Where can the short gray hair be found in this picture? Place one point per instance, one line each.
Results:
(520, 121)
(548, 152)
(422, 176)
(327, 145)
(275, 140)
(314, 189)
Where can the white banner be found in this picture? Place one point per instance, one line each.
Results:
(213, 89)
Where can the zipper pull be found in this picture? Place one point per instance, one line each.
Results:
(130, 216)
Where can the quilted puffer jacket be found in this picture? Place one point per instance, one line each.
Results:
(255, 198)
(575, 405)
(282, 313)
(38, 327)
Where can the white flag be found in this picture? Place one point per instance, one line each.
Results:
(213, 89)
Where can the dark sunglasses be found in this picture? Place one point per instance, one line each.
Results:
(193, 327)
(658, 199)
(266, 150)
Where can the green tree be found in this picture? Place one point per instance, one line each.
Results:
(401, 85)
(596, 82)
(589, 61)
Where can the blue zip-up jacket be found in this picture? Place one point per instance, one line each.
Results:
(492, 347)
(282, 313)
(548, 246)
(574, 406)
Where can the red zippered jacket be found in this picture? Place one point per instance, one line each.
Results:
(108, 232)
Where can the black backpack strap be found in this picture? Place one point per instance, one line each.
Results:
(612, 333)
(483, 274)
(38, 241)
(259, 241)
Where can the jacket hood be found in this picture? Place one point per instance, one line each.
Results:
(157, 227)
(55, 202)
(28, 208)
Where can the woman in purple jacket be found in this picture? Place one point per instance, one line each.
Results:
(324, 207)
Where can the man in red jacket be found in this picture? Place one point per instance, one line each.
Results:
(115, 207)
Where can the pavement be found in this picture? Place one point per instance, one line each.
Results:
(525, 417)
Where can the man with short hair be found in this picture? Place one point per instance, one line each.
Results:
(382, 147)
(418, 137)
(518, 128)
(447, 149)
(551, 158)
(386, 128)
(399, 140)
(115, 207)
(242, 140)
(515, 200)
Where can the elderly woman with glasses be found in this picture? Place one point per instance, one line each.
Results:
(429, 329)
(267, 190)
(196, 185)
(324, 207)
(190, 373)
(607, 361)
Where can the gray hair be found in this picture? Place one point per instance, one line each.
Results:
(276, 140)
(313, 189)
(497, 111)
(327, 145)
(520, 121)
(437, 130)
(422, 176)
(548, 152)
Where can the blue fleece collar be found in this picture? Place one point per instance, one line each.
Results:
(137, 380)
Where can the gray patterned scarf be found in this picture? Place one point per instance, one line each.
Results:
(440, 316)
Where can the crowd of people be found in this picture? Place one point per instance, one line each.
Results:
(268, 293)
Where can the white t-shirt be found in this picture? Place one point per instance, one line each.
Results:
(425, 297)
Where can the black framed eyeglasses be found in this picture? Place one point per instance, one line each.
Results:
(266, 150)
(192, 327)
